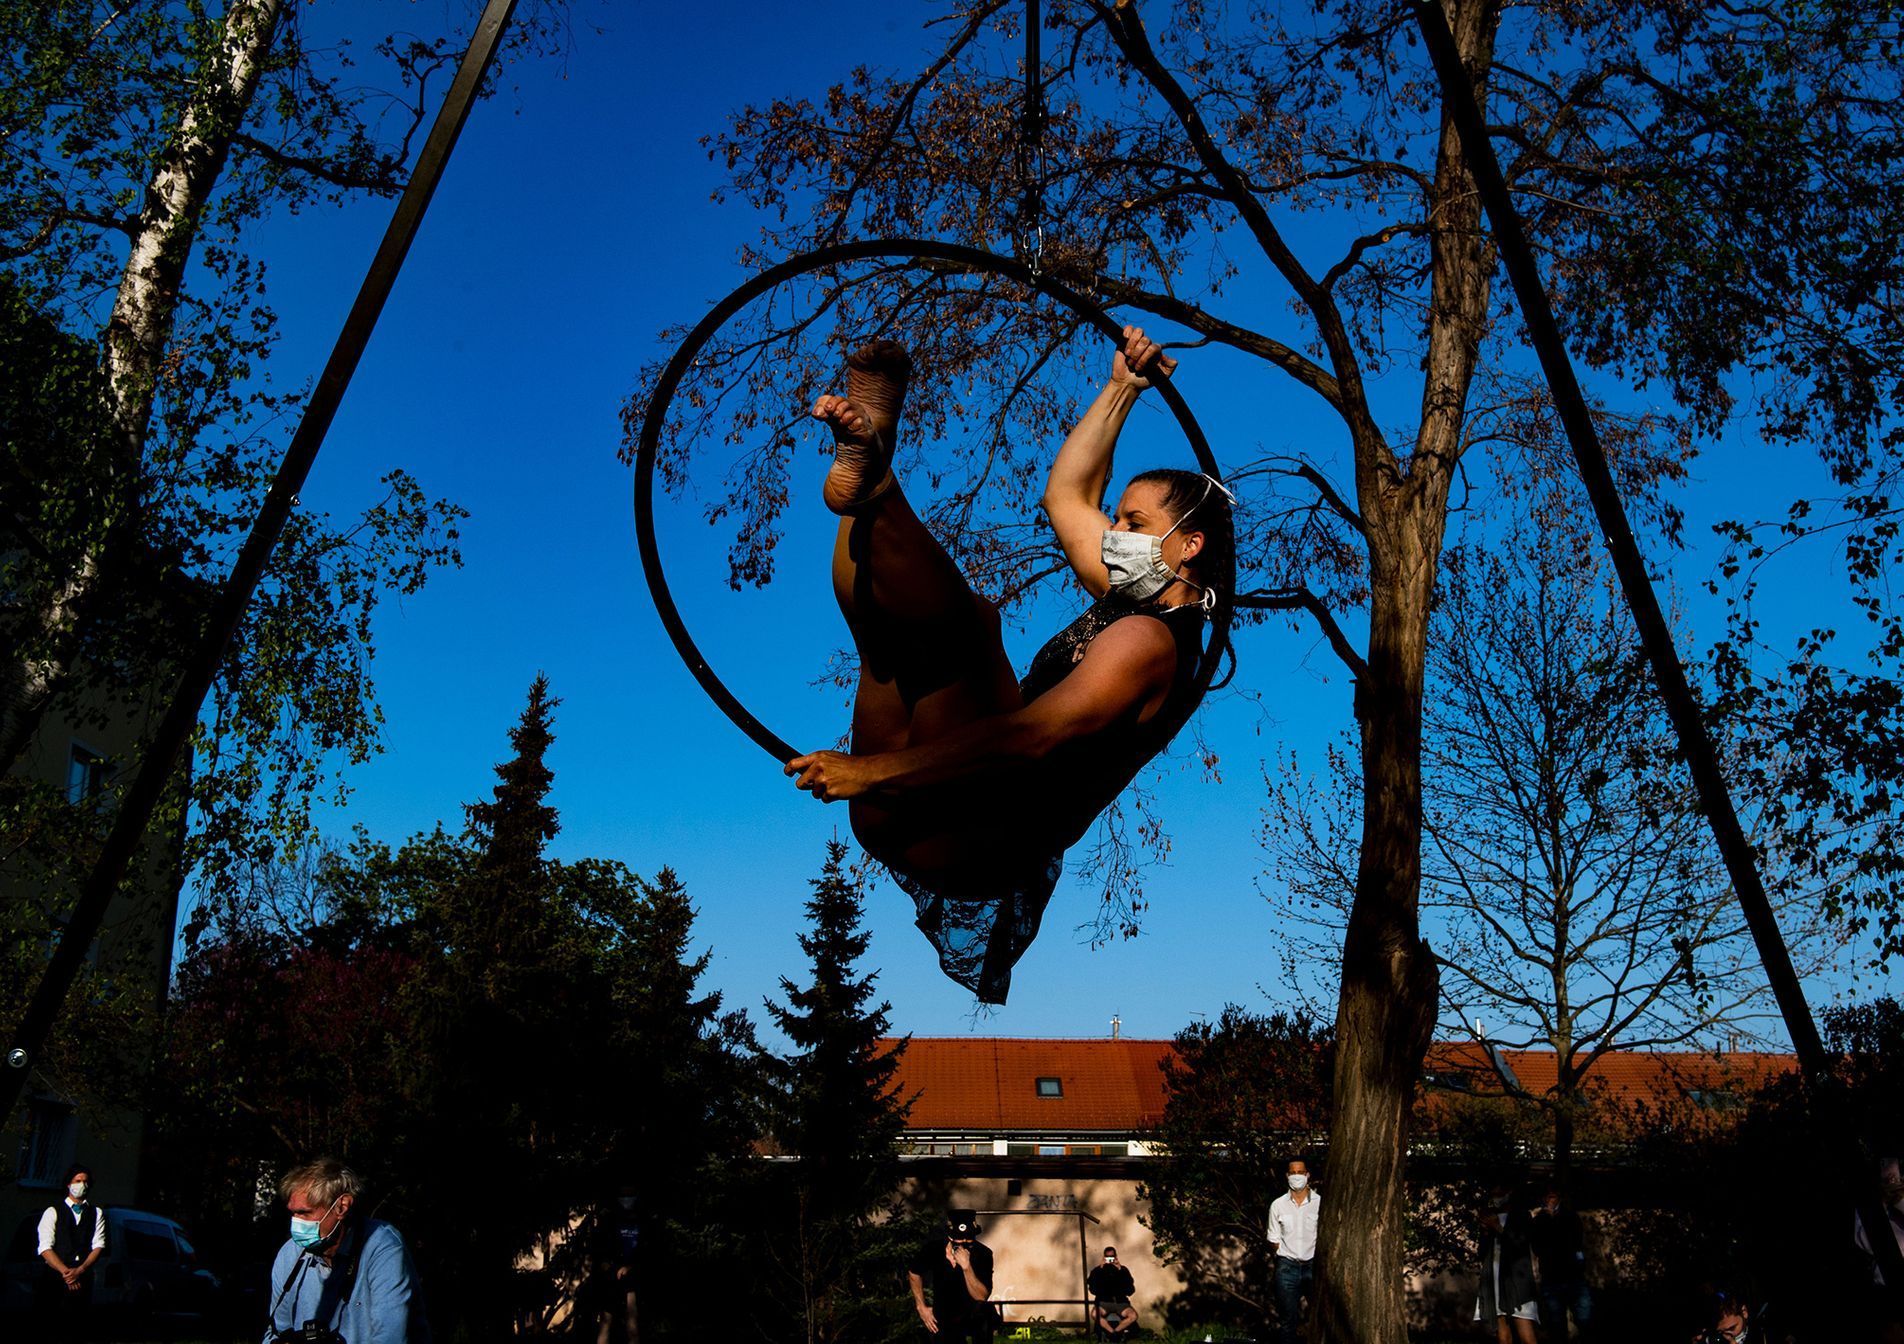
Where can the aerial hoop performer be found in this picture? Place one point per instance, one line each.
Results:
(966, 782)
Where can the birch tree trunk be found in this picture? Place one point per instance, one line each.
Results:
(134, 347)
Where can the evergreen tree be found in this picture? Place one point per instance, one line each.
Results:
(836, 1112)
(691, 1120)
(494, 1072)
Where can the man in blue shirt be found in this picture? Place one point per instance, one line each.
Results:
(343, 1270)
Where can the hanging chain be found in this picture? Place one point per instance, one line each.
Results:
(1031, 146)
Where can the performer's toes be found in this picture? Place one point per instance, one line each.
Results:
(864, 424)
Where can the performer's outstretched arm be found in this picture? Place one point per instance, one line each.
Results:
(1082, 470)
(1129, 665)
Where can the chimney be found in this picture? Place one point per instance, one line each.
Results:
(1116, 1023)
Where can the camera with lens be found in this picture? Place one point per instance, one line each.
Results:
(308, 1333)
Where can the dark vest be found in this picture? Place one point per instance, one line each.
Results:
(73, 1237)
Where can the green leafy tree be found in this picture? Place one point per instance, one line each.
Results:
(1286, 187)
(143, 141)
(1243, 1096)
(834, 1239)
(101, 1055)
(474, 1022)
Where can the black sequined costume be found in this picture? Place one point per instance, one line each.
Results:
(981, 924)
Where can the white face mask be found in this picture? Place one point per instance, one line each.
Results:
(78, 1189)
(1136, 564)
(1298, 1181)
(1136, 560)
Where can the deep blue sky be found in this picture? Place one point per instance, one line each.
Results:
(574, 224)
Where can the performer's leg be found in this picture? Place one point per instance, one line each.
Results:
(931, 658)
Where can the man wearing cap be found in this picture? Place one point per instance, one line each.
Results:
(1112, 1288)
(959, 1269)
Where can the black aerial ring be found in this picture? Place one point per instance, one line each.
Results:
(970, 259)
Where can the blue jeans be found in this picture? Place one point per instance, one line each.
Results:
(1293, 1279)
(1556, 1300)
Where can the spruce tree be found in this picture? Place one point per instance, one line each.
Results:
(691, 1114)
(495, 1074)
(502, 916)
(839, 1244)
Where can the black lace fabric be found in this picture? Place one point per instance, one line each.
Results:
(1066, 649)
(980, 938)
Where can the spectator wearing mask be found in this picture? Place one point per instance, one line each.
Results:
(72, 1238)
(341, 1270)
(1292, 1242)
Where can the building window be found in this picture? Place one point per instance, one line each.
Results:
(1050, 1087)
(1067, 1150)
(86, 773)
(49, 1142)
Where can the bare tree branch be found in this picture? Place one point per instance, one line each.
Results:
(1301, 599)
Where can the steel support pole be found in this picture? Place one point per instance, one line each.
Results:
(1669, 674)
(135, 809)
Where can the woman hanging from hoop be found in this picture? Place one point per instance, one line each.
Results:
(966, 782)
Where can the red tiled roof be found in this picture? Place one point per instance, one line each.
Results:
(1623, 1076)
(990, 1084)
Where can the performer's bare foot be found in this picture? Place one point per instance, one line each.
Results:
(865, 422)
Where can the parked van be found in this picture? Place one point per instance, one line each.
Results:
(149, 1269)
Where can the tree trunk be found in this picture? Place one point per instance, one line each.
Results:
(1563, 1141)
(1386, 1013)
(135, 343)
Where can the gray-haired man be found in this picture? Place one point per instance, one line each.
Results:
(342, 1269)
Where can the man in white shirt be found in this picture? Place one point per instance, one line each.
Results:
(72, 1238)
(1292, 1241)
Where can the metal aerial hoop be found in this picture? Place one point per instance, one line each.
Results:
(1028, 272)
(969, 260)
